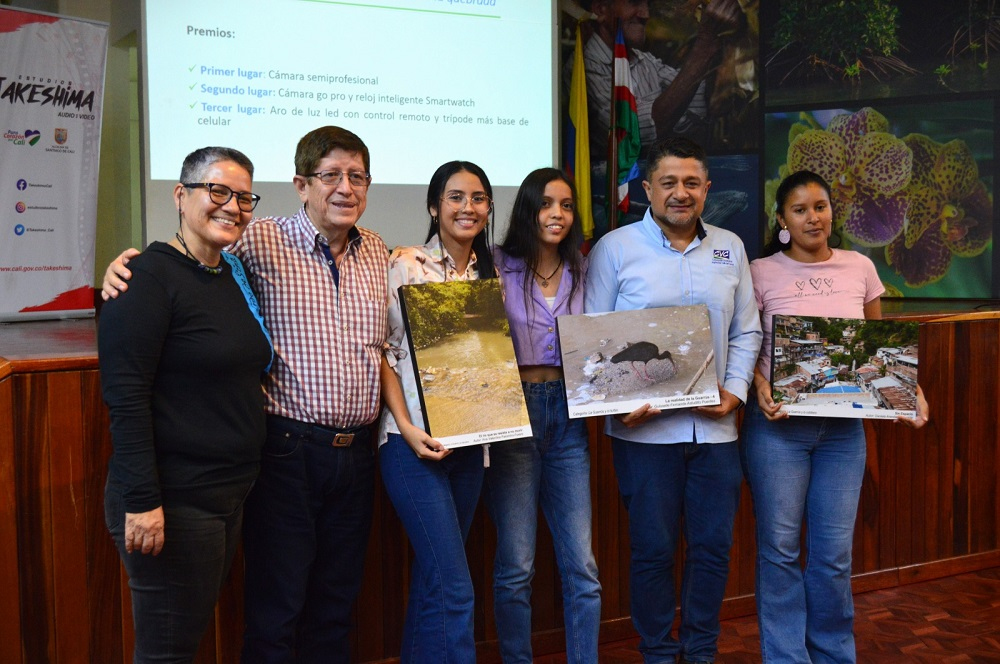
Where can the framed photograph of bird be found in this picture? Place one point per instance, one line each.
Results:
(616, 362)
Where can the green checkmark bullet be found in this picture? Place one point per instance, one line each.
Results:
(192, 105)
(191, 87)
(191, 68)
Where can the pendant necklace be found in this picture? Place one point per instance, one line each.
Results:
(217, 270)
(544, 281)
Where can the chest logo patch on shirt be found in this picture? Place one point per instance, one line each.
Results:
(721, 257)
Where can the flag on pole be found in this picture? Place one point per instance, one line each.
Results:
(626, 128)
(577, 157)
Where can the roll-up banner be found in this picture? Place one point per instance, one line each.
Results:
(51, 94)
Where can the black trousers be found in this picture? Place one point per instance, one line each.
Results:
(174, 593)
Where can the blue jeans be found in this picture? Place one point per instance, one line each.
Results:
(436, 501)
(659, 484)
(804, 468)
(305, 534)
(551, 469)
(174, 593)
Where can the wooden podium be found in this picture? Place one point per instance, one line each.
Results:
(929, 508)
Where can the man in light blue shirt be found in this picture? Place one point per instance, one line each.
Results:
(680, 462)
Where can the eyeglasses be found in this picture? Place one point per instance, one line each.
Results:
(458, 201)
(357, 179)
(221, 194)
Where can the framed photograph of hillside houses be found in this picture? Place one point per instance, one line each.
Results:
(845, 367)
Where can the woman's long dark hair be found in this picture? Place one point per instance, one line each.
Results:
(787, 186)
(521, 240)
(481, 244)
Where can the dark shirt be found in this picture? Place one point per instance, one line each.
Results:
(181, 360)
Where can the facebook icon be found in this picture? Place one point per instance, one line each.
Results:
(22, 184)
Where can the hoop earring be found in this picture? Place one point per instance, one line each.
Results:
(840, 240)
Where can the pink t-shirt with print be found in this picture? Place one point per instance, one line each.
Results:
(838, 287)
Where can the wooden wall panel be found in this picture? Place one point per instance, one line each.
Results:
(10, 598)
(68, 498)
(964, 429)
(950, 370)
(103, 576)
(981, 467)
(929, 507)
(34, 517)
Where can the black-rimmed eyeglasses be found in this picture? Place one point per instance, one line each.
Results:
(220, 194)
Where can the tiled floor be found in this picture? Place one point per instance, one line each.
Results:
(955, 620)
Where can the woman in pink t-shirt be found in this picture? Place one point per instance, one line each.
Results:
(806, 468)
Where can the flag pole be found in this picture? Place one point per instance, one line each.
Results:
(578, 141)
(612, 179)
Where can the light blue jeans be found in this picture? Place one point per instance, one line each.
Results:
(436, 501)
(551, 469)
(804, 469)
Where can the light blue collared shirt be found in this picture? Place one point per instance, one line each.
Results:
(635, 267)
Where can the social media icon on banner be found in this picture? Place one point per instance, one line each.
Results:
(22, 184)
(19, 229)
(20, 207)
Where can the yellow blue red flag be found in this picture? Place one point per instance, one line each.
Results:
(577, 144)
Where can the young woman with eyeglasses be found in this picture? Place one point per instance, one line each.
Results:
(435, 490)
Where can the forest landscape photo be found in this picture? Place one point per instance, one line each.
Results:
(464, 360)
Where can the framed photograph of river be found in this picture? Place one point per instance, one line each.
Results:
(463, 357)
(616, 362)
(844, 367)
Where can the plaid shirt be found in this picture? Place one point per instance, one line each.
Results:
(650, 77)
(328, 342)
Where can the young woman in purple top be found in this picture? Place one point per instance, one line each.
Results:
(543, 272)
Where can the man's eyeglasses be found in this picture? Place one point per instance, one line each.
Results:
(220, 194)
(357, 179)
(458, 201)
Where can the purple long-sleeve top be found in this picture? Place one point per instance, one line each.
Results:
(532, 321)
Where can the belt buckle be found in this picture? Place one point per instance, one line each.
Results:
(343, 439)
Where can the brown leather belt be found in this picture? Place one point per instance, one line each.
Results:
(317, 433)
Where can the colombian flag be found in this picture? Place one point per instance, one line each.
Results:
(626, 123)
(577, 146)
